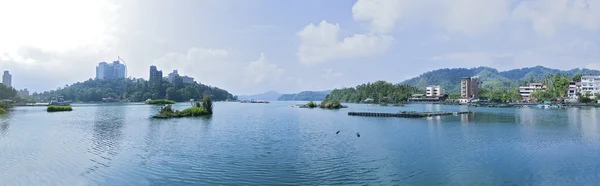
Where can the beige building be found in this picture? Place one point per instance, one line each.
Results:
(434, 91)
(469, 87)
(526, 91)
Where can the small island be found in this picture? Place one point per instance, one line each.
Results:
(327, 104)
(198, 109)
(159, 102)
(56, 108)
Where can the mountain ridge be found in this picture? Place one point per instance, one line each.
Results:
(449, 78)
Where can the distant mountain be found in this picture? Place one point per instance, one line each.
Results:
(305, 96)
(449, 79)
(269, 96)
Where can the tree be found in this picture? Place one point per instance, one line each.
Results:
(577, 77)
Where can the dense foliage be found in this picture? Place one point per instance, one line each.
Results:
(199, 109)
(496, 95)
(134, 90)
(331, 104)
(311, 104)
(54, 108)
(7, 92)
(449, 79)
(304, 96)
(2, 111)
(379, 91)
(159, 102)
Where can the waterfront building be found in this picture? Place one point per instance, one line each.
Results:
(112, 70)
(434, 91)
(171, 77)
(7, 79)
(590, 85)
(469, 87)
(526, 91)
(574, 90)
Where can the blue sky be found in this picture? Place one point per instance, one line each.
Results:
(252, 46)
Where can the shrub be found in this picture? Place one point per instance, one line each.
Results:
(332, 104)
(311, 104)
(160, 102)
(2, 111)
(4, 105)
(54, 108)
(207, 104)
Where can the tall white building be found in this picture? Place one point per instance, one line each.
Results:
(590, 85)
(7, 79)
(111, 70)
(434, 91)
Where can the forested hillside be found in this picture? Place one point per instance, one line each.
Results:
(305, 96)
(379, 91)
(134, 90)
(449, 79)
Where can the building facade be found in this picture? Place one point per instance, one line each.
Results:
(7, 79)
(24, 93)
(526, 91)
(171, 77)
(155, 74)
(574, 89)
(112, 70)
(590, 85)
(469, 87)
(434, 91)
(187, 79)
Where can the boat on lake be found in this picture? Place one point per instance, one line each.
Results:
(59, 101)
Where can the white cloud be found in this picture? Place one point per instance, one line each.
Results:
(320, 43)
(217, 67)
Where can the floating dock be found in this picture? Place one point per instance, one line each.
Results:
(406, 114)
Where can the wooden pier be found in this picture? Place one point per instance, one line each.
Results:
(406, 114)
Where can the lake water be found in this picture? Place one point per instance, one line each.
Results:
(273, 144)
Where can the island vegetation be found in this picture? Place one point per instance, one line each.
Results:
(198, 109)
(134, 90)
(54, 108)
(377, 92)
(332, 104)
(160, 102)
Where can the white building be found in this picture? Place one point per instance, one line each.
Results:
(184, 79)
(187, 79)
(574, 89)
(526, 91)
(7, 79)
(110, 71)
(434, 91)
(590, 85)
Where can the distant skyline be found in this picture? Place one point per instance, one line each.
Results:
(253, 46)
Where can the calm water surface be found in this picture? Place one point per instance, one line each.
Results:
(273, 144)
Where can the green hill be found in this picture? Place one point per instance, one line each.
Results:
(449, 79)
(305, 96)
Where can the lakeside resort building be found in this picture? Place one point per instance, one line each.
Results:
(590, 85)
(526, 91)
(469, 89)
(433, 93)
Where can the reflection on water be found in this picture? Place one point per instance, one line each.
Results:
(107, 135)
(273, 144)
(585, 120)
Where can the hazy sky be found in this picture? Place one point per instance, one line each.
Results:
(252, 46)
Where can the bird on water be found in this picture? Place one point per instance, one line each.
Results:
(357, 135)
(337, 132)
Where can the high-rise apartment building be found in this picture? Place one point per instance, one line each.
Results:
(111, 70)
(469, 87)
(7, 79)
